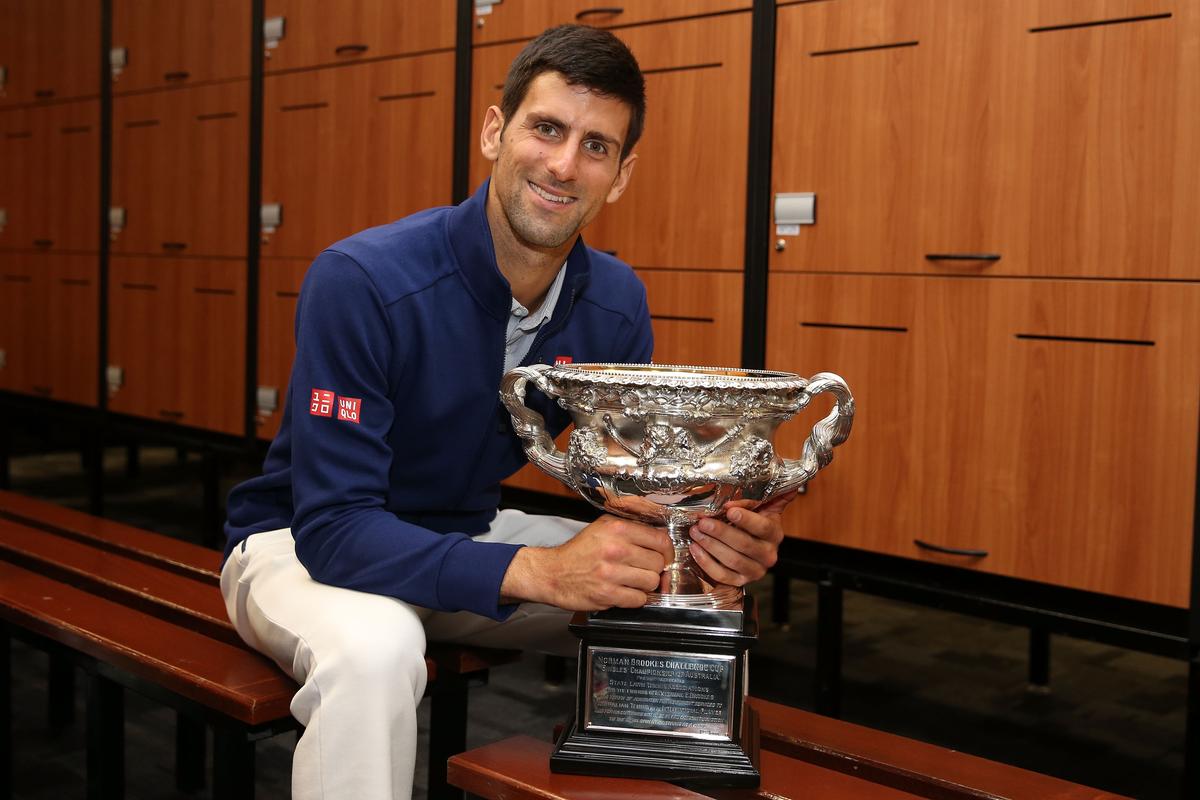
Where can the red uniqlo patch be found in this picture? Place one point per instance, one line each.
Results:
(560, 360)
(349, 409)
(321, 404)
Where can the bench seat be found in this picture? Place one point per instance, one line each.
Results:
(137, 610)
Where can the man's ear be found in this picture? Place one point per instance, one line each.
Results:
(622, 181)
(489, 137)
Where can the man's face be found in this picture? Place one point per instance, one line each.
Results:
(558, 160)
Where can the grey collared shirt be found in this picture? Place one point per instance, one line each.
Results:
(523, 325)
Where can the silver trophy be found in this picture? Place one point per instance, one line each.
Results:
(662, 688)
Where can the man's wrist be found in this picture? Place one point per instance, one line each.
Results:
(522, 582)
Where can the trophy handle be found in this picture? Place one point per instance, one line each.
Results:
(826, 434)
(529, 424)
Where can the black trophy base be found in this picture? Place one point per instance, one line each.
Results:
(686, 762)
(661, 695)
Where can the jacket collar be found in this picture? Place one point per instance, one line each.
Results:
(471, 243)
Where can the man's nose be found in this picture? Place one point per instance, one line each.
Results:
(563, 161)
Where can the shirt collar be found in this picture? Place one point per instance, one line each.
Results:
(470, 241)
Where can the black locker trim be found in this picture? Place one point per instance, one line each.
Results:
(758, 185)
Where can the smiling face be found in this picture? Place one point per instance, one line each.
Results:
(556, 162)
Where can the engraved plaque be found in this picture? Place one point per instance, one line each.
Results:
(661, 693)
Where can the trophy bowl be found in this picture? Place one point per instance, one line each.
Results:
(669, 445)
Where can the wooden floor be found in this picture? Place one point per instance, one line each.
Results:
(1113, 719)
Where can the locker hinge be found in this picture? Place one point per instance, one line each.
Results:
(273, 29)
(114, 376)
(118, 59)
(3, 218)
(267, 399)
(3, 79)
(3, 359)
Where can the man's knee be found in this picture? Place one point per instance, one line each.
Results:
(382, 653)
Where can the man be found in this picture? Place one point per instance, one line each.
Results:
(374, 524)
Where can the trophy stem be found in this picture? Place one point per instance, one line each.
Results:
(683, 583)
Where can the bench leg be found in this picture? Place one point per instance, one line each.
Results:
(233, 763)
(781, 600)
(447, 733)
(1039, 660)
(60, 691)
(93, 466)
(6, 737)
(105, 739)
(212, 518)
(829, 649)
(5, 455)
(191, 743)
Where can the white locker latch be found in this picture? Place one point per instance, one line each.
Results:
(273, 28)
(114, 376)
(270, 216)
(793, 209)
(118, 59)
(267, 398)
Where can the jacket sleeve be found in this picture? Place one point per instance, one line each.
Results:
(347, 352)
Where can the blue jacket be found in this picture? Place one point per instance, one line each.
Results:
(393, 440)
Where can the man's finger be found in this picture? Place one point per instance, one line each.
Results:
(732, 559)
(715, 569)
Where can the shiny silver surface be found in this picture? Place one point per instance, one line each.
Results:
(669, 445)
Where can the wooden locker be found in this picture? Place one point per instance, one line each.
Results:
(685, 205)
(22, 287)
(524, 19)
(71, 327)
(1101, 382)
(317, 33)
(862, 328)
(179, 171)
(19, 184)
(355, 146)
(178, 43)
(279, 283)
(697, 316)
(177, 332)
(1106, 139)
(851, 110)
(1042, 429)
(67, 177)
(51, 50)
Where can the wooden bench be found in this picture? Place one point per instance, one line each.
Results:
(803, 755)
(141, 611)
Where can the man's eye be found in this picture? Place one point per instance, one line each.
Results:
(545, 129)
(595, 147)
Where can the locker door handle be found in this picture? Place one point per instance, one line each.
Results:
(44, 94)
(952, 551)
(169, 414)
(43, 243)
(962, 256)
(592, 12)
(181, 75)
(43, 391)
(174, 245)
(350, 50)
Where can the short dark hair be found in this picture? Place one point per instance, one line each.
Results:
(586, 57)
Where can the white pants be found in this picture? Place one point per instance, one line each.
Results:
(360, 657)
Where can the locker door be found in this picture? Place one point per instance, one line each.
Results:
(180, 161)
(279, 289)
(686, 203)
(71, 326)
(22, 286)
(53, 50)
(318, 33)
(177, 330)
(355, 146)
(172, 44)
(19, 154)
(67, 214)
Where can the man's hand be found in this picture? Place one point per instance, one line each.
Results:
(612, 562)
(744, 548)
